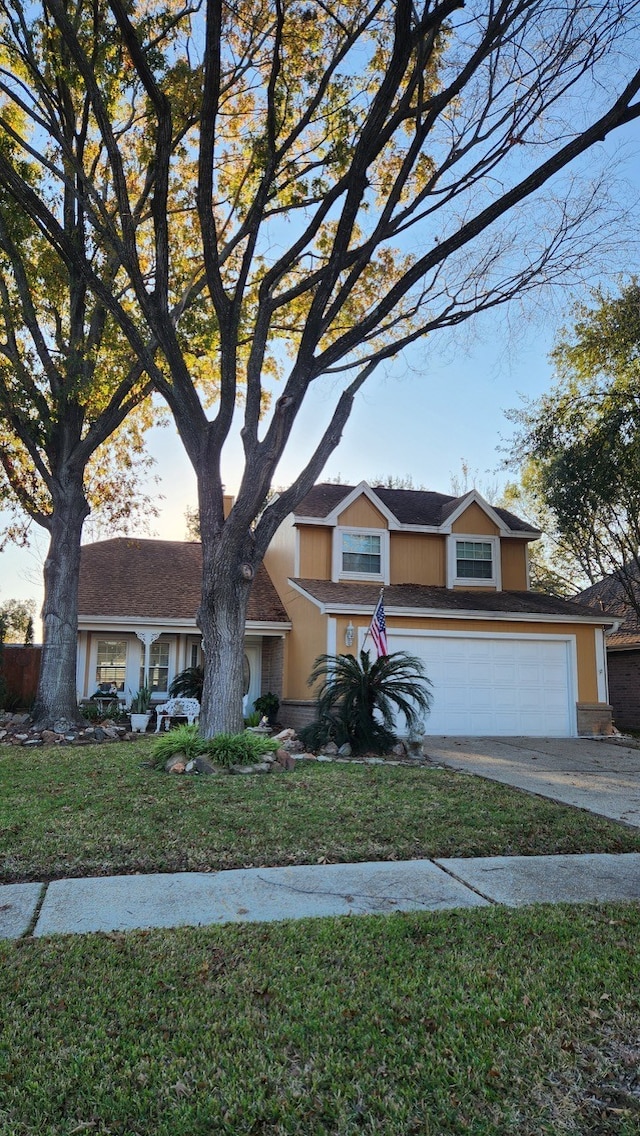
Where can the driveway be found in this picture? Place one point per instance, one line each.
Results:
(598, 775)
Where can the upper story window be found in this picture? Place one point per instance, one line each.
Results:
(474, 560)
(361, 554)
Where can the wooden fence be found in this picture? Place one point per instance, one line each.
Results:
(21, 670)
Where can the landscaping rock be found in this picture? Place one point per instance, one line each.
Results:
(49, 737)
(201, 765)
(285, 735)
(175, 759)
(284, 761)
(177, 767)
(260, 767)
(330, 748)
(345, 750)
(292, 745)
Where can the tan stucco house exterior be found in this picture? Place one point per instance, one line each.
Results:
(503, 660)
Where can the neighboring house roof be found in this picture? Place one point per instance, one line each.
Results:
(157, 579)
(422, 597)
(409, 506)
(609, 595)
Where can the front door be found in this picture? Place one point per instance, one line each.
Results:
(252, 673)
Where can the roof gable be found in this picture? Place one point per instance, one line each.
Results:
(404, 508)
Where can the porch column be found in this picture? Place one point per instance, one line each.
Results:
(147, 638)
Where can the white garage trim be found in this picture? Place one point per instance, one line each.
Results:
(601, 665)
(566, 662)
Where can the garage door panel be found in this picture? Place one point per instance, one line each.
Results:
(494, 685)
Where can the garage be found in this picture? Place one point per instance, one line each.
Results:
(496, 685)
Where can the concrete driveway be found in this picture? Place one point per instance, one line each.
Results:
(598, 775)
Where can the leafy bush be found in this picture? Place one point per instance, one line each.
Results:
(357, 700)
(141, 702)
(238, 749)
(253, 719)
(183, 739)
(188, 684)
(268, 705)
(223, 749)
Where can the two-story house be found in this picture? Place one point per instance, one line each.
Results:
(503, 660)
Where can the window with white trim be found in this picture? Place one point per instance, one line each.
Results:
(361, 554)
(474, 560)
(158, 667)
(111, 663)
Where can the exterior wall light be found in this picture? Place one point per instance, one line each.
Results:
(348, 634)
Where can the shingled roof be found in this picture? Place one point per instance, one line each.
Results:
(425, 597)
(609, 595)
(157, 579)
(409, 506)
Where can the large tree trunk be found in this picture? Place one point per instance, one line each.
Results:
(56, 703)
(226, 586)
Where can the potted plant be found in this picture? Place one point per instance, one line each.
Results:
(140, 710)
(268, 705)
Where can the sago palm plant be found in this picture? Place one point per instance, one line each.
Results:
(188, 684)
(358, 699)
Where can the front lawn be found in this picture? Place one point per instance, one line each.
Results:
(488, 1022)
(101, 810)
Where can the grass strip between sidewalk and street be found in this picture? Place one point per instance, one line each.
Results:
(488, 1022)
(101, 810)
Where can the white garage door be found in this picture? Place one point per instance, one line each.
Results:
(494, 685)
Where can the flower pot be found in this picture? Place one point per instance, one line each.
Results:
(139, 723)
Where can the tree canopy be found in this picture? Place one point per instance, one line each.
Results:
(582, 439)
(316, 184)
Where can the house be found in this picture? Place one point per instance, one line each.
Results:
(503, 660)
(623, 649)
(137, 607)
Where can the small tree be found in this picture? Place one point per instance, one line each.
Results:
(581, 441)
(358, 700)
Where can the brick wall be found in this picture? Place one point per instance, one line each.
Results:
(295, 713)
(21, 671)
(272, 665)
(624, 688)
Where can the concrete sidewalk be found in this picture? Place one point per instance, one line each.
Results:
(124, 903)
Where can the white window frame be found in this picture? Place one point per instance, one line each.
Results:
(381, 577)
(170, 663)
(493, 581)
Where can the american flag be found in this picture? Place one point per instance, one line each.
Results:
(378, 629)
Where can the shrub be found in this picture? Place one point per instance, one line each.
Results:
(268, 705)
(238, 749)
(183, 739)
(223, 749)
(357, 699)
(188, 684)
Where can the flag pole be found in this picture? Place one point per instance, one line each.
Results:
(372, 617)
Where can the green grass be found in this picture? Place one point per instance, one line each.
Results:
(101, 810)
(491, 1022)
